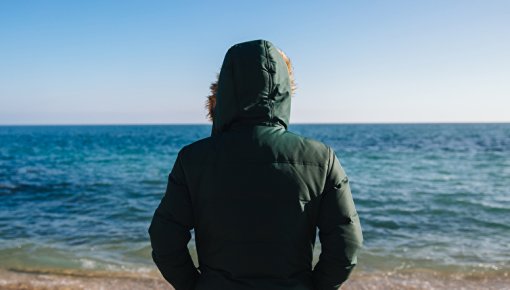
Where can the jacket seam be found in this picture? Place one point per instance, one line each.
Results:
(298, 163)
(330, 154)
(270, 82)
(328, 171)
(284, 162)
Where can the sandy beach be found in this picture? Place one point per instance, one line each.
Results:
(412, 279)
(17, 280)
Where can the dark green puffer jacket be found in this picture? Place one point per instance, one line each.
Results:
(255, 193)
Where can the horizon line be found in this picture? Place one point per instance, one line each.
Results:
(296, 123)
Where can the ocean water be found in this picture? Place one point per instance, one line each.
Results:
(434, 196)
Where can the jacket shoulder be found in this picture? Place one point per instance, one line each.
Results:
(309, 141)
(308, 150)
(198, 147)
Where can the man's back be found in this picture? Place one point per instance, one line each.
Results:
(256, 206)
(254, 193)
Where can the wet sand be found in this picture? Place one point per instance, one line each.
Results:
(17, 280)
(415, 279)
(424, 279)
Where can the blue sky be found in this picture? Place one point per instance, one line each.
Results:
(89, 62)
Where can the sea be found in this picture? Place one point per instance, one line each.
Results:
(431, 197)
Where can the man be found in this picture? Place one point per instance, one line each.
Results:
(255, 193)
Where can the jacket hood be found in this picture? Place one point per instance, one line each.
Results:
(253, 87)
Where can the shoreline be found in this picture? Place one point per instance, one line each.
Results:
(11, 279)
(365, 280)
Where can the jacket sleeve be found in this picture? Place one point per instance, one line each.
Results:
(170, 232)
(339, 230)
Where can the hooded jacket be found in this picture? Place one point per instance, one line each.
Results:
(255, 194)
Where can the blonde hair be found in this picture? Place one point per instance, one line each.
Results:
(210, 103)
